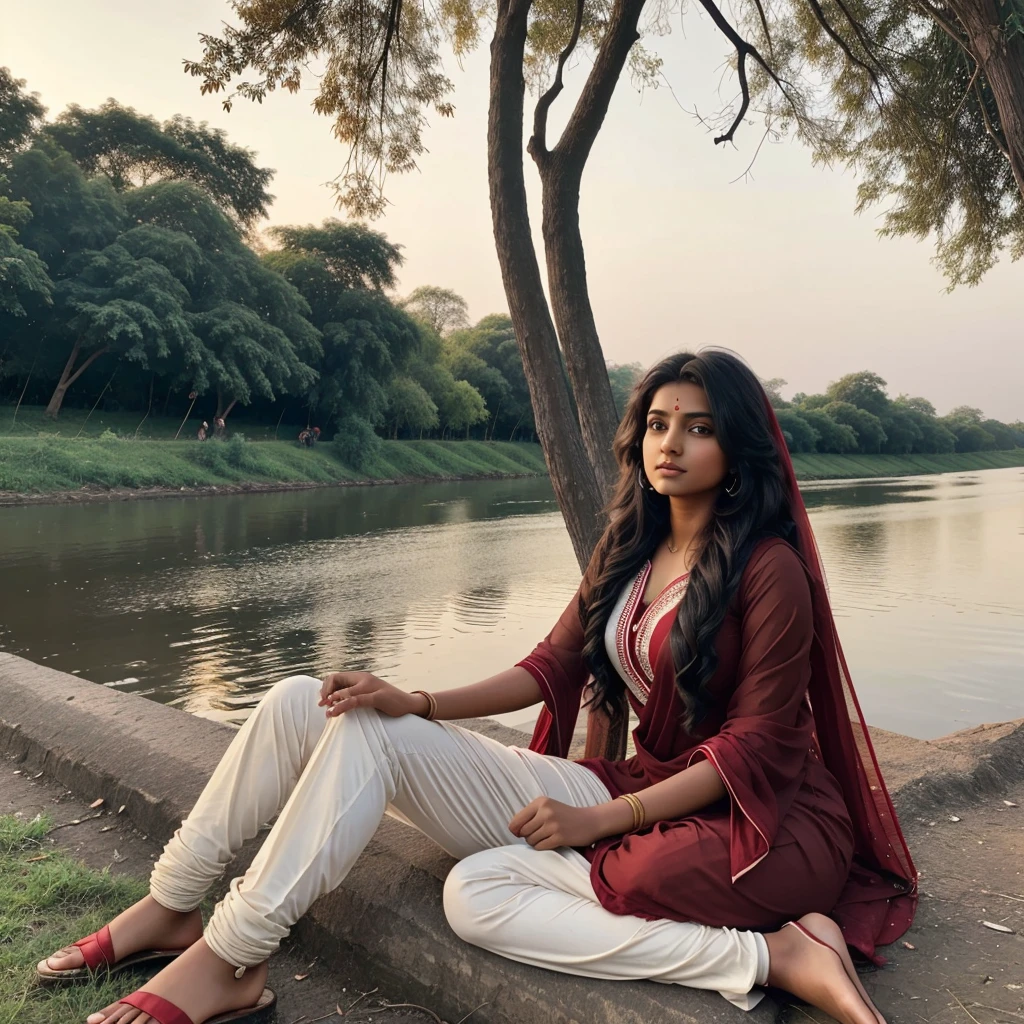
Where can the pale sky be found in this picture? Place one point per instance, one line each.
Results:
(777, 268)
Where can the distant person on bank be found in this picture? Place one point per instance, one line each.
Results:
(746, 843)
(203, 428)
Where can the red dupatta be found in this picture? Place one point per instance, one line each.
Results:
(878, 902)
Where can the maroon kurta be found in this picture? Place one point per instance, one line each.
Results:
(781, 844)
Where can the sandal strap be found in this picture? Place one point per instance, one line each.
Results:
(97, 949)
(160, 1009)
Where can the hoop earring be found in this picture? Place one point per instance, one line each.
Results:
(733, 488)
(641, 478)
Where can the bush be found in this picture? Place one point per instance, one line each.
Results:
(356, 444)
(208, 454)
(238, 453)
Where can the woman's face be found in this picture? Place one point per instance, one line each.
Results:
(681, 452)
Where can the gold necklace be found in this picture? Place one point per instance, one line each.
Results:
(668, 543)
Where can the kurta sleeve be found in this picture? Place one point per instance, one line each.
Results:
(558, 666)
(761, 750)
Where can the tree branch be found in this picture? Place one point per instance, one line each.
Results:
(85, 366)
(859, 31)
(592, 106)
(764, 25)
(743, 50)
(822, 20)
(394, 16)
(538, 145)
(1000, 145)
(947, 26)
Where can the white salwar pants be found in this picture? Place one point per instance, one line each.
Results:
(332, 780)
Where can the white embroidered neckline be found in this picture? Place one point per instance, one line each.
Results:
(640, 677)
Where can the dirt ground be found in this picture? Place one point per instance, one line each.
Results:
(950, 968)
(961, 971)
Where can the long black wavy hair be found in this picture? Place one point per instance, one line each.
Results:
(639, 521)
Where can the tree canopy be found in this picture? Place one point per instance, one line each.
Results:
(131, 149)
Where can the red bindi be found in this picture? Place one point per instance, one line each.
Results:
(677, 408)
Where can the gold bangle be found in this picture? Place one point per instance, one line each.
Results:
(628, 797)
(431, 714)
(639, 813)
(640, 810)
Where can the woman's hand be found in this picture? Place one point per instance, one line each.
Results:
(342, 691)
(547, 824)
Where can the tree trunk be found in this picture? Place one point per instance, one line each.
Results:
(561, 172)
(69, 376)
(999, 50)
(572, 475)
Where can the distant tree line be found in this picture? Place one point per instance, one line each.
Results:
(131, 273)
(856, 415)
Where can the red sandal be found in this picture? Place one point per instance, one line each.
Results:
(98, 953)
(165, 1012)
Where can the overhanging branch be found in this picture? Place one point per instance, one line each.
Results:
(822, 20)
(538, 144)
(381, 67)
(744, 50)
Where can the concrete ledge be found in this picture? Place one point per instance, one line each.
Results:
(155, 760)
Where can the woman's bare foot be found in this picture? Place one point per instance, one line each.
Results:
(145, 925)
(824, 929)
(816, 971)
(199, 983)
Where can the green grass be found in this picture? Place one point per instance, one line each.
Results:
(41, 457)
(46, 464)
(44, 905)
(848, 467)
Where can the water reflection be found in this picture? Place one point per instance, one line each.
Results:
(203, 603)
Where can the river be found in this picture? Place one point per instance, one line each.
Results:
(203, 602)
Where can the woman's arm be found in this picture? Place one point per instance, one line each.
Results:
(682, 794)
(511, 690)
(554, 672)
(547, 824)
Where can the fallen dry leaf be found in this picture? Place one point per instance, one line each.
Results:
(1009, 803)
(909, 945)
(999, 927)
(95, 804)
(42, 856)
(301, 977)
(121, 808)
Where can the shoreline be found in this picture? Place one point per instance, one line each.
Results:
(90, 494)
(406, 457)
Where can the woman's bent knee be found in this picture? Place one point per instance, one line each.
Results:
(301, 689)
(466, 893)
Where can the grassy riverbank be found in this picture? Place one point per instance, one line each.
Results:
(852, 467)
(45, 896)
(48, 461)
(44, 465)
